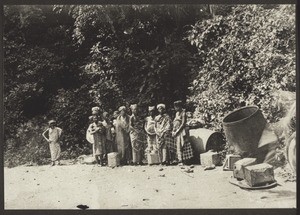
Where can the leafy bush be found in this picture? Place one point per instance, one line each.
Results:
(71, 109)
(245, 56)
(27, 146)
(138, 49)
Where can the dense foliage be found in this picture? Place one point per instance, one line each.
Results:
(137, 53)
(40, 61)
(245, 57)
(59, 61)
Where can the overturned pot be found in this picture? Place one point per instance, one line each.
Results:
(243, 129)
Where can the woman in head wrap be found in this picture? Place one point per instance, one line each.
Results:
(99, 133)
(184, 150)
(149, 128)
(136, 135)
(54, 136)
(163, 128)
(96, 112)
(122, 136)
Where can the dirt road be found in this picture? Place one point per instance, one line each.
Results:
(65, 187)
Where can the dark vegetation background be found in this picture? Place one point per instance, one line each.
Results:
(59, 61)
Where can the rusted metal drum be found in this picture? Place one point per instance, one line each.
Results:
(243, 129)
(203, 140)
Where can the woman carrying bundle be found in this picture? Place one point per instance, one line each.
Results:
(99, 133)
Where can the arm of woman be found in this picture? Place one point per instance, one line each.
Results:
(90, 129)
(127, 124)
(94, 130)
(155, 128)
(182, 125)
(45, 135)
(145, 126)
(167, 127)
(60, 131)
(131, 122)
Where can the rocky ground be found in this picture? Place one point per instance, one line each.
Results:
(70, 185)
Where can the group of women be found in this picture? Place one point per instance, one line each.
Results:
(128, 135)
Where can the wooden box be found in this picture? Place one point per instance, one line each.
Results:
(153, 157)
(113, 159)
(259, 174)
(230, 161)
(209, 159)
(238, 170)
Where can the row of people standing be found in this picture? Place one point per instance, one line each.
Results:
(127, 135)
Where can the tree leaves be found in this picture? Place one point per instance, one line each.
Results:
(242, 58)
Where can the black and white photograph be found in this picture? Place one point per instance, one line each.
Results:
(149, 106)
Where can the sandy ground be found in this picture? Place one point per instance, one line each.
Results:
(66, 186)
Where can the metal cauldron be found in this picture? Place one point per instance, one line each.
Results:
(243, 129)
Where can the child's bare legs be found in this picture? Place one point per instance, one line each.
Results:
(103, 158)
(98, 159)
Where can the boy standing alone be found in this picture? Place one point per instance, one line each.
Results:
(54, 136)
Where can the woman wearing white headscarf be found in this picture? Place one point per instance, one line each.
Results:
(136, 135)
(99, 135)
(180, 134)
(122, 136)
(163, 128)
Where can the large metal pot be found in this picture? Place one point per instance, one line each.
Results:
(243, 129)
